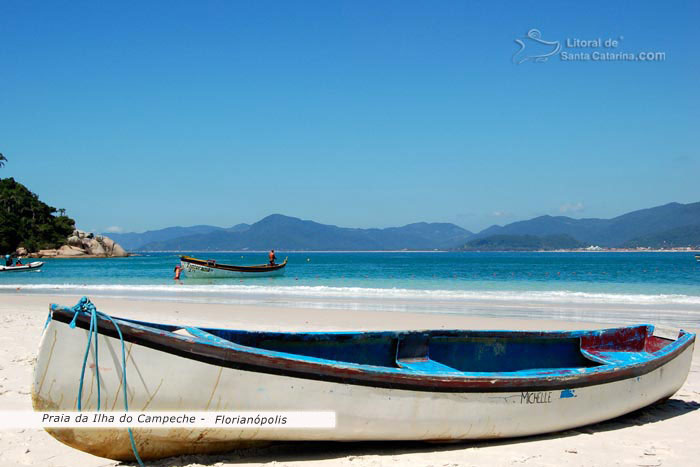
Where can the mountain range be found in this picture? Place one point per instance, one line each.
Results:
(670, 225)
(290, 233)
(626, 230)
(134, 241)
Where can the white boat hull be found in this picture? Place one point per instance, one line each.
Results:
(160, 381)
(33, 266)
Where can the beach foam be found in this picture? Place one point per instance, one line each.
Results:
(329, 292)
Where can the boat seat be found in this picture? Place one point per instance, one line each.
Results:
(412, 354)
(618, 358)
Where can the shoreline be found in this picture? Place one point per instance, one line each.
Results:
(577, 250)
(655, 434)
(602, 307)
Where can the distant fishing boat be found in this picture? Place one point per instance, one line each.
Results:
(697, 258)
(209, 268)
(24, 267)
(396, 385)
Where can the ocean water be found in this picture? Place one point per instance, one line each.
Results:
(450, 282)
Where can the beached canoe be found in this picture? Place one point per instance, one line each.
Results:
(434, 385)
(203, 268)
(24, 267)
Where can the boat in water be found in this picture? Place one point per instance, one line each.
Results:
(433, 385)
(208, 268)
(34, 265)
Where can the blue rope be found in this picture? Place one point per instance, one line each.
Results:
(86, 306)
(126, 401)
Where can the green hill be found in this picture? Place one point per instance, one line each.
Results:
(522, 243)
(686, 236)
(26, 221)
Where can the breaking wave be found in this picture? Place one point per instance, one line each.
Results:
(352, 293)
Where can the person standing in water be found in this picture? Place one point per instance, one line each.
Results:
(272, 257)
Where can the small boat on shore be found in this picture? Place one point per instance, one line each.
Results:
(34, 265)
(433, 385)
(209, 268)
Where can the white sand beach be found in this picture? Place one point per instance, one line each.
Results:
(663, 434)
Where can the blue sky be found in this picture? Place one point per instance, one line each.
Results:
(143, 115)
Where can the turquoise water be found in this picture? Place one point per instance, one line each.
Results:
(629, 276)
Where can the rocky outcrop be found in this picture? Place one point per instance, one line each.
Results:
(86, 245)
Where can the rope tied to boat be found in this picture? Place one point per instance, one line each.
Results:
(85, 306)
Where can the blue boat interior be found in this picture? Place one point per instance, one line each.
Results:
(449, 351)
(430, 351)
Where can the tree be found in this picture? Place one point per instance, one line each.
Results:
(3, 159)
(28, 222)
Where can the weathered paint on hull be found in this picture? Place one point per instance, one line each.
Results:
(156, 382)
(115, 444)
(205, 272)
